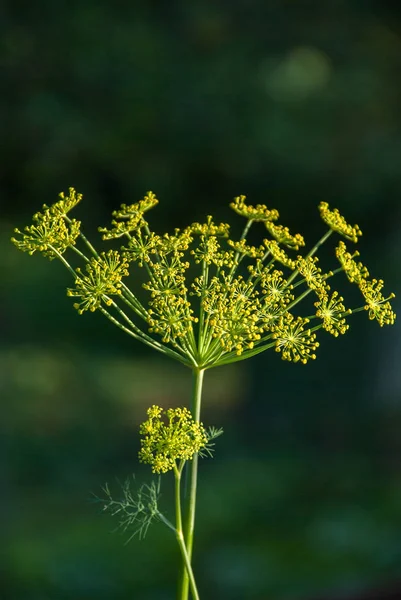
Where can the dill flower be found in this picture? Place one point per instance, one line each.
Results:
(129, 218)
(210, 228)
(102, 279)
(283, 236)
(243, 248)
(313, 275)
(260, 212)
(336, 222)
(229, 318)
(50, 234)
(170, 436)
(332, 312)
(65, 204)
(171, 317)
(279, 254)
(234, 319)
(355, 271)
(141, 247)
(199, 306)
(377, 305)
(276, 290)
(138, 208)
(176, 244)
(122, 228)
(293, 341)
(208, 250)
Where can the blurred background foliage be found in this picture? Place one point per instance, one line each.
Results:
(289, 103)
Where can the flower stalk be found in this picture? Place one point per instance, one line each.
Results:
(193, 481)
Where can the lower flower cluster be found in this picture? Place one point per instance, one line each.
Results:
(170, 436)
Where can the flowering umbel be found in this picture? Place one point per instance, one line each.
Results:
(241, 301)
(211, 300)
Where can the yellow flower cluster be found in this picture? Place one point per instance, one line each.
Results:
(313, 274)
(210, 228)
(170, 436)
(276, 290)
(260, 212)
(336, 222)
(293, 341)
(138, 208)
(102, 279)
(245, 250)
(129, 218)
(235, 315)
(141, 246)
(377, 305)
(171, 317)
(355, 271)
(51, 234)
(65, 204)
(279, 254)
(283, 236)
(332, 311)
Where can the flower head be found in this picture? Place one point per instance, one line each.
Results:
(244, 249)
(355, 271)
(141, 247)
(283, 236)
(260, 212)
(210, 228)
(377, 305)
(138, 208)
(332, 312)
(211, 300)
(313, 275)
(336, 222)
(276, 290)
(170, 436)
(102, 279)
(129, 218)
(294, 341)
(279, 254)
(171, 315)
(232, 309)
(65, 204)
(50, 234)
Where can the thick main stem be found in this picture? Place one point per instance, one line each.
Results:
(191, 500)
(180, 536)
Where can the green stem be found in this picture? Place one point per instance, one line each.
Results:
(311, 253)
(227, 359)
(155, 345)
(180, 535)
(237, 258)
(191, 501)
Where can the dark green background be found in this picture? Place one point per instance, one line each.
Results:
(289, 103)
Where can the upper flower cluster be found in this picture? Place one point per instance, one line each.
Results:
(336, 222)
(52, 232)
(234, 301)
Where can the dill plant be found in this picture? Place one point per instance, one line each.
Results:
(243, 300)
